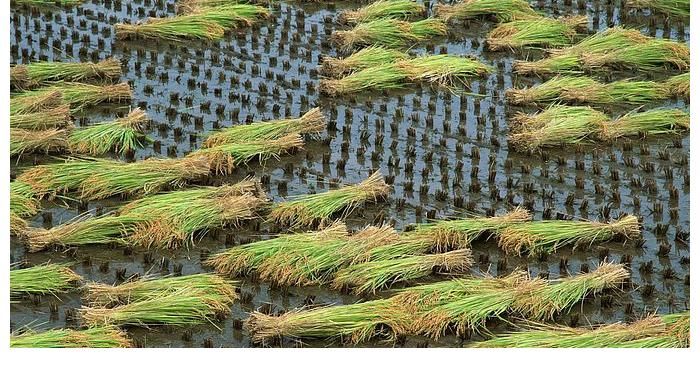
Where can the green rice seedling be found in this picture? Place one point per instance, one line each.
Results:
(363, 59)
(382, 9)
(99, 294)
(101, 178)
(391, 33)
(22, 199)
(544, 32)
(650, 332)
(43, 279)
(443, 70)
(548, 236)
(231, 16)
(555, 126)
(82, 95)
(679, 85)
(652, 122)
(373, 276)
(57, 117)
(313, 122)
(121, 135)
(614, 48)
(35, 74)
(677, 8)
(224, 158)
(182, 307)
(502, 10)
(94, 337)
(380, 77)
(320, 208)
(81, 231)
(460, 233)
(589, 90)
(37, 141)
(27, 103)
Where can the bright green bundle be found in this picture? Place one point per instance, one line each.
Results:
(94, 337)
(503, 10)
(43, 279)
(366, 58)
(545, 32)
(382, 9)
(678, 8)
(121, 135)
(35, 74)
(390, 33)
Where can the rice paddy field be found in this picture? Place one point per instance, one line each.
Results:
(328, 227)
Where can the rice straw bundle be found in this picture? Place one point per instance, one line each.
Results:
(460, 233)
(224, 158)
(678, 8)
(22, 199)
(121, 135)
(313, 122)
(651, 332)
(363, 59)
(390, 33)
(319, 209)
(81, 231)
(614, 48)
(652, 122)
(56, 117)
(99, 294)
(589, 90)
(95, 337)
(380, 77)
(101, 178)
(502, 10)
(545, 32)
(43, 279)
(382, 9)
(25, 103)
(373, 276)
(82, 95)
(443, 70)
(679, 85)
(35, 74)
(555, 126)
(547, 236)
(40, 141)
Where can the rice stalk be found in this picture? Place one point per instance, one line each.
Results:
(82, 95)
(373, 276)
(24, 141)
(101, 178)
(538, 237)
(544, 32)
(381, 77)
(678, 8)
(313, 122)
(679, 85)
(382, 9)
(363, 59)
(35, 102)
(443, 70)
(121, 135)
(319, 209)
(43, 279)
(35, 74)
(502, 10)
(390, 33)
(23, 202)
(95, 337)
(56, 117)
(652, 122)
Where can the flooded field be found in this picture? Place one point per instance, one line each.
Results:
(444, 155)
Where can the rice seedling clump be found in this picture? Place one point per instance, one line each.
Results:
(365, 58)
(382, 9)
(30, 141)
(25, 103)
(43, 279)
(678, 8)
(121, 135)
(544, 32)
(81, 95)
(94, 337)
(502, 10)
(679, 85)
(390, 33)
(54, 117)
(35, 74)
(652, 122)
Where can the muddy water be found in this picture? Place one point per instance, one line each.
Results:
(428, 141)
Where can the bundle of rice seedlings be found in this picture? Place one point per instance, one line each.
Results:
(224, 158)
(40, 141)
(547, 236)
(363, 59)
(614, 48)
(182, 307)
(460, 233)
(678, 8)
(319, 209)
(382, 9)
(22, 199)
(101, 178)
(34, 74)
(555, 126)
(164, 221)
(82, 95)
(389, 33)
(380, 77)
(94, 337)
(650, 332)
(373, 276)
(313, 122)
(502, 10)
(56, 117)
(546, 32)
(27, 103)
(18, 225)
(43, 279)
(589, 90)
(121, 135)
(99, 294)
(679, 85)
(444, 70)
(652, 122)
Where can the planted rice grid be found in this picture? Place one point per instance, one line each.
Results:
(94, 337)
(390, 33)
(32, 75)
(542, 32)
(383, 9)
(502, 10)
(43, 279)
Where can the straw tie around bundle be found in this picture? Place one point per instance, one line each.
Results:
(390, 33)
(35, 74)
(94, 337)
(43, 279)
(382, 9)
(502, 10)
(363, 59)
(319, 209)
(545, 32)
